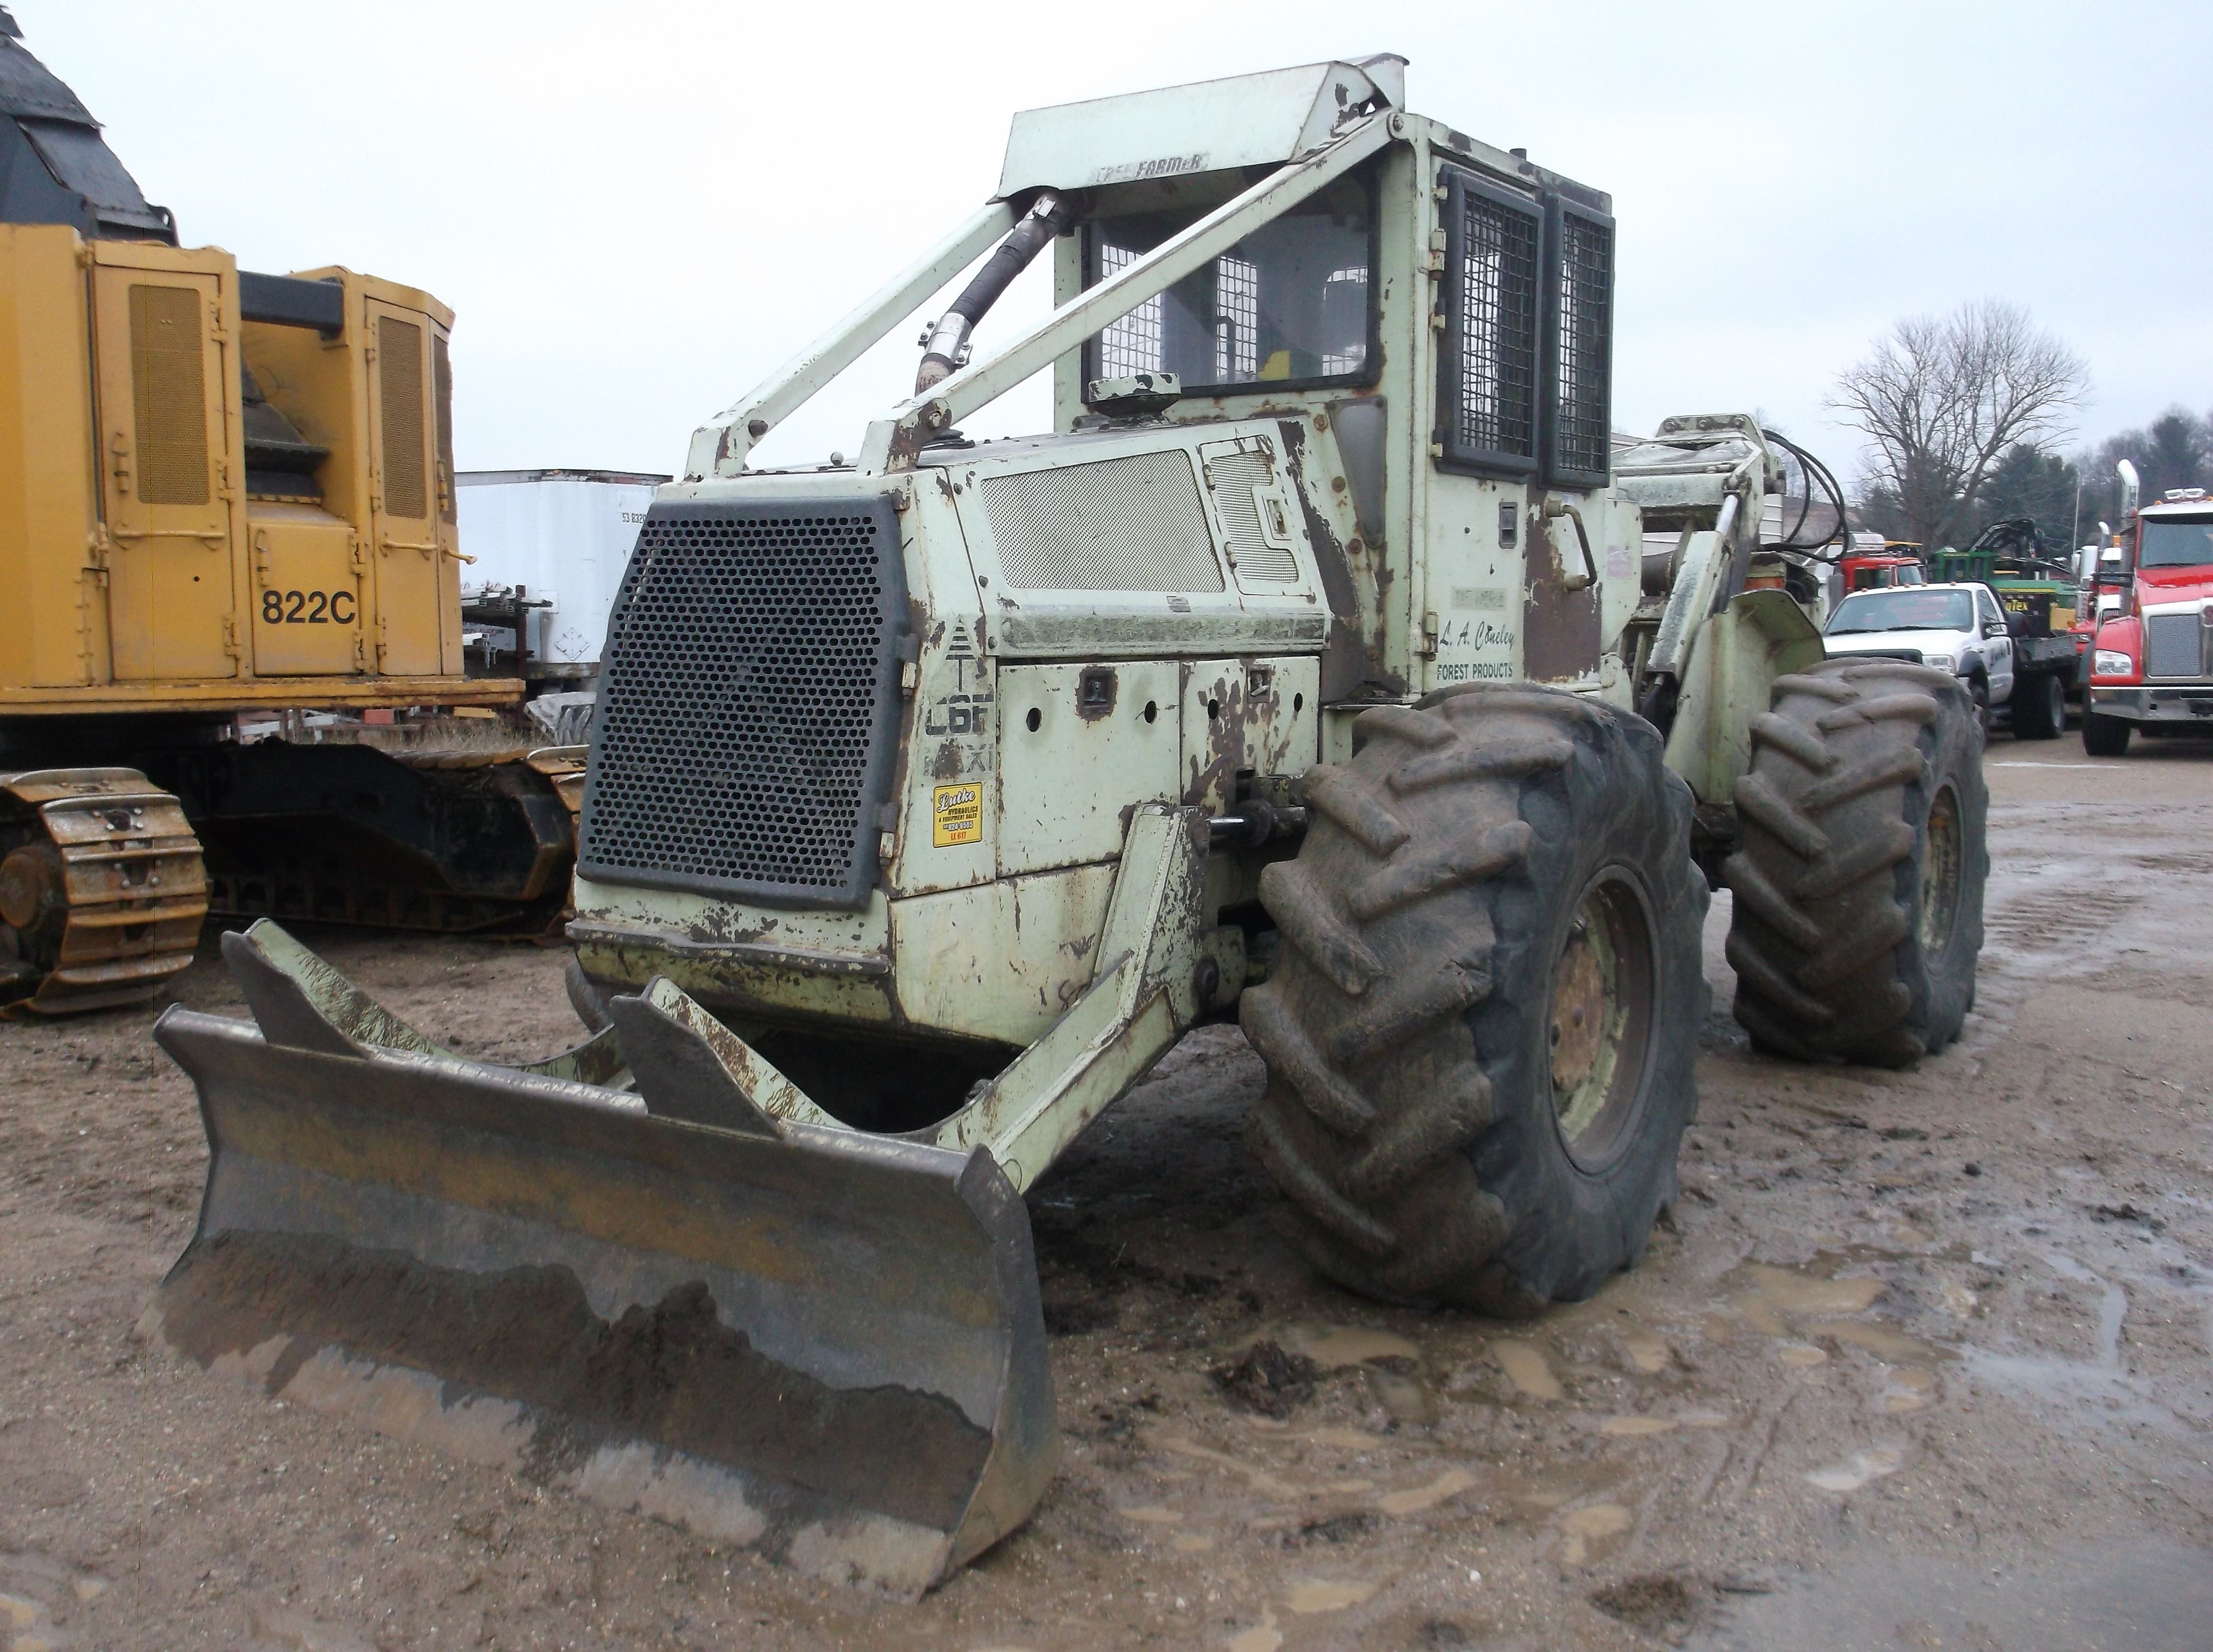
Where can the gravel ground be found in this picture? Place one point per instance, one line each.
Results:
(1923, 1358)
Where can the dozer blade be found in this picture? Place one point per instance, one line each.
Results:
(819, 1343)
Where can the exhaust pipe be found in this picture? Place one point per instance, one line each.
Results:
(2132, 489)
(945, 346)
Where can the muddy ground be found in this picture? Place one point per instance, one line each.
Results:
(1923, 1358)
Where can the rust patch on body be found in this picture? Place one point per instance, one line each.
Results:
(1560, 638)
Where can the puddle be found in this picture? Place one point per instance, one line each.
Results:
(1631, 1427)
(1705, 1419)
(1650, 1355)
(1332, 1347)
(1308, 1598)
(1959, 1300)
(1801, 1353)
(1527, 1368)
(1545, 1499)
(29, 1629)
(1861, 1468)
(1154, 1516)
(1772, 1296)
(1261, 1480)
(1265, 1638)
(1909, 1390)
(1192, 1543)
(1888, 1346)
(1404, 1396)
(1347, 1439)
(2073, 1384)
(1448, 1485)
(1593, 1523)
(2143, 1591)
(1596, 1519)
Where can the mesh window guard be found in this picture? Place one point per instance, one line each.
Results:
(1580, 447)
(1488, 390)
(1131, 344)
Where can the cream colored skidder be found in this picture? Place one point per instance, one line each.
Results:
(1311, 670)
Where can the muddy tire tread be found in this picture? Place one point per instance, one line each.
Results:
(1378, 1099)
(1826, 877)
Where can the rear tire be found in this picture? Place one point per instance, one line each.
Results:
(1482, 1029)
(2104, 736)
(2039, 706)
(1858, 890)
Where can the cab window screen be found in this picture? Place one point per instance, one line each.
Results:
(1578, 451)
(1488, 369)
(1289, 304)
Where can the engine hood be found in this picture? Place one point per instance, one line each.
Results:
(2159, 588)
(1888, 642)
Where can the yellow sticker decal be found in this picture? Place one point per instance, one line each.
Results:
(956, 815)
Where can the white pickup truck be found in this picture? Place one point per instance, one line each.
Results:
(1956, 628)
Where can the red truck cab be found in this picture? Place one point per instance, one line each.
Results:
(1873, 572)
(2153, 661)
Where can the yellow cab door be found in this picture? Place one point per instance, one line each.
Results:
(165, 475)
(410, 552)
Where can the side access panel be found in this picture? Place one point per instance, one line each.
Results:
(415, 553)
(307, 593)
(167, 440)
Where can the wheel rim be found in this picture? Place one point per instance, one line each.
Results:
(1940, 873)
(1601, 1034)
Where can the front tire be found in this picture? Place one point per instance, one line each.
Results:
(1858, 914)
(1482, 1029)
(2104, 736)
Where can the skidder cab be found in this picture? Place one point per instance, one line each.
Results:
(1292, 675)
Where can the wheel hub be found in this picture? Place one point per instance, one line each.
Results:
(1940, 867)
(1601, 1020)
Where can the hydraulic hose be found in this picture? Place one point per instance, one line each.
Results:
(945, 344)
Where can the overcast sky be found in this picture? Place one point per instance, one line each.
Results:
(639, 209)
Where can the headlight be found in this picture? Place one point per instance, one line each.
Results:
(1941, 661)
(2112, 662)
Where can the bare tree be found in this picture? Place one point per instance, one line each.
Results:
(1941, 397)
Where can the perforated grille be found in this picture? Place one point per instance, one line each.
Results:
(2174, 645)
(399, 405)
(1235, 474)
(749, 702)
(1582, 409)
(1133, 524)
(1494, 404)
(169, 392)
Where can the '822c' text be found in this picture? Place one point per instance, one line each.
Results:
(309, 608)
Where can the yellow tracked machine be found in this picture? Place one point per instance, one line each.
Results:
(222, 493)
